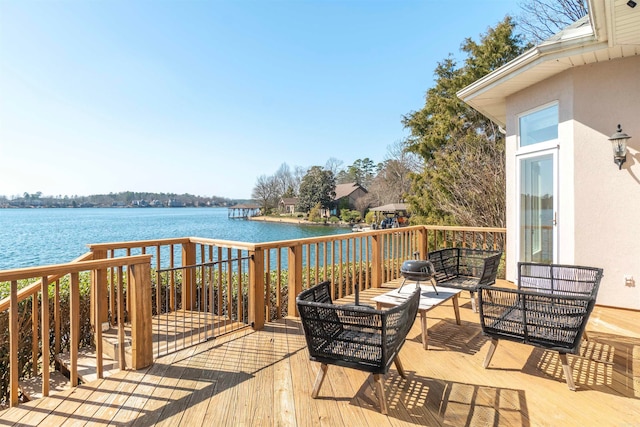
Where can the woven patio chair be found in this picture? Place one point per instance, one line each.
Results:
(549, 309)
(357, 337)
(464, 268)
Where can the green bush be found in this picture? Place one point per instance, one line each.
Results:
(370, 217)
(314, 213)
(348, 215)
(334, 220)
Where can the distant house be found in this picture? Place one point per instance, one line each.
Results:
(287, 205)
(174, 203)
(140, 203)
(560, 104)
(347, 196)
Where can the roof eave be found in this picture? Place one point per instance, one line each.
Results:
(534, 56)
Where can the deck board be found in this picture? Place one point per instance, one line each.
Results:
(283, 393)
(265, 378)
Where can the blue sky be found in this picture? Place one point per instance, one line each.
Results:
(203, 97)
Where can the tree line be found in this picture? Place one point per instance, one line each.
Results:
(122, 199)
(451, 167)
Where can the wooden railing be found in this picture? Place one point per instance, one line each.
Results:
(228, 284)
(364, 260)
(265, 274)
(35, 298)
(199, 286)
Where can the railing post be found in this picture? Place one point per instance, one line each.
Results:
(99, 286)
(141, 329)
(74, 327)
(256, 289)
(295, 277)
(188, 276)
(376, 260)
(422, 243)
(45, 336)
(14, 330)
(96, 314)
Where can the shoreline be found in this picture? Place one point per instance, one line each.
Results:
(296, 221)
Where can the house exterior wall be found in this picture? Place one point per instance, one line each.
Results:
(351, 199)
(607, 200)
(598, 205)
(355, 196)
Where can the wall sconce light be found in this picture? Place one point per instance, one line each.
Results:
(631, 4)
(619, 144)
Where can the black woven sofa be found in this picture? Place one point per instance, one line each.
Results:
(549, 309)
(356, 337)
(463, 268)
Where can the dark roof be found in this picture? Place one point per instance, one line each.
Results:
(344, 190)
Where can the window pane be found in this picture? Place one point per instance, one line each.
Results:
(539, 126)
(536, 209)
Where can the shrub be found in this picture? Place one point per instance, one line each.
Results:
(348, 215)
(314, 213)
(370, 217)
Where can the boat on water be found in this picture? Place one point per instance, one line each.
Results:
(361, 227)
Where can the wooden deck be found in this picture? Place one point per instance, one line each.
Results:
(265, 378)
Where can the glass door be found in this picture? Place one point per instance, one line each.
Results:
(538, 201)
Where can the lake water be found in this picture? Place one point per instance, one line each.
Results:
(32, 237)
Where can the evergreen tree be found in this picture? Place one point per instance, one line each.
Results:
(318, 186)
(463, 152)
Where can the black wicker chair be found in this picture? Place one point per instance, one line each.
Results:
(356, 337)
(549, 309)
(463, 268)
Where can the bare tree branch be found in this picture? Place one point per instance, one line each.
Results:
(541, 19)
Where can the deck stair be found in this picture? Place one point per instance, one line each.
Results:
(87, 364)
(110, 345)
(166, 338)
(31, 388)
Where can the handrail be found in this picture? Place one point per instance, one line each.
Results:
(280, 243)
(71, 267)
(35, 287)
(224, 243)
(137, 243)
(334, 237)
(463, 228)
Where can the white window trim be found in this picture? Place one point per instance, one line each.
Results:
(556, 188)
(541, 146)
